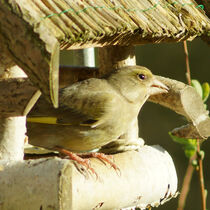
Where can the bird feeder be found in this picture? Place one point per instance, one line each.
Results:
(32, 33)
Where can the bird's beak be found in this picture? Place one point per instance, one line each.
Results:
(158, 87)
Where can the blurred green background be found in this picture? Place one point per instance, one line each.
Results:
(168, 60)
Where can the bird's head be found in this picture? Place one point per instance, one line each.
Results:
(136, 83)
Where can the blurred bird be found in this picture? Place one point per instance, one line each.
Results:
(92, 113)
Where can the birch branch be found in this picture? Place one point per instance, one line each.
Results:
(61, 185)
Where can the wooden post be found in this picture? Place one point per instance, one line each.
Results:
(113, 57)
(12, 129)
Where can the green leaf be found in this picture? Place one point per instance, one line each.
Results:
(206, 91)
(188, 145)
(196, 84)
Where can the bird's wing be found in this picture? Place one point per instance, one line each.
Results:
(86, 103)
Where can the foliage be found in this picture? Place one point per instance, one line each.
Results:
(203, 90)
(188, 145)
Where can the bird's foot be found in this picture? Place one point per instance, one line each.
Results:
(103, 157)
(78, 159)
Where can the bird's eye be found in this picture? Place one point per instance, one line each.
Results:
(142, 76)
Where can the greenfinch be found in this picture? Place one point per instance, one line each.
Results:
(94, 112)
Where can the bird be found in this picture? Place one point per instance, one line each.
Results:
(92, 113)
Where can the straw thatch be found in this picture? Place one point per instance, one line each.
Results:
(79, 24)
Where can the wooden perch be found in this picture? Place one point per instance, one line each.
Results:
(59, 184)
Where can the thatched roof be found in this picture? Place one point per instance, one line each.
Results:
(33, 32)
(101, 23)
(79, 24)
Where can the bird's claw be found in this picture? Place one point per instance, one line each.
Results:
(104, 158)
(78, 159)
